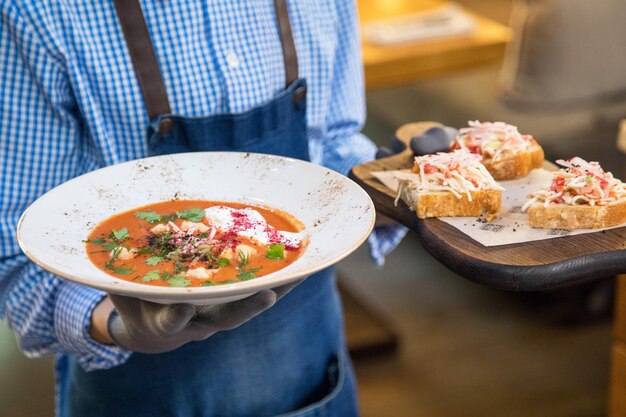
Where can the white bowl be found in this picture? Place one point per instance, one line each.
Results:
(336, 212)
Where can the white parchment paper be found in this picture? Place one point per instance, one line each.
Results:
(511, 226)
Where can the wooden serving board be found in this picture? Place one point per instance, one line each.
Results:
(538, 265)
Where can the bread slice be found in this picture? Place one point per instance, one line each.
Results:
(565, 216)
(516, 166)
(485, 203)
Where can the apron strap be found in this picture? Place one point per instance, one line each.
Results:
(286, 39)
(147, 67)
(144, 59)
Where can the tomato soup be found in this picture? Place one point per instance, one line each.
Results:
(193, 243)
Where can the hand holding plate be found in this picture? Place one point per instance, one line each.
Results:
(147, 327)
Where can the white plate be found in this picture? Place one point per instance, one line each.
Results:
(336, 212)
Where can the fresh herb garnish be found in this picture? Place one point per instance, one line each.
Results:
(248, 275)
(208, 284)
(151, 276)
(149, 216)
(154, 260)
(223, 262)
(111, 246)
(98, 241)
(143, 251)
(162, 245)
(114, 254)
(205, 252)
(175, 255)
(120, 235)
(177, 281)
(275, 251)
(195, 214)
(168, 217)
(230, 281)
(245, 273)
(110, 264)
(179, 267)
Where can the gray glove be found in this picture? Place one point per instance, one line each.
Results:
(435, 139)
(146, 327)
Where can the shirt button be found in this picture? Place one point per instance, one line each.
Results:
(232, 59)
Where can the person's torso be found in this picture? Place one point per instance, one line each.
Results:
(215, 57)
(218, 58)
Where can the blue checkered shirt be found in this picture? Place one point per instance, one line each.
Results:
(70, 103)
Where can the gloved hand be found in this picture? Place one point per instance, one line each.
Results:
(146, 327)
(436, 139)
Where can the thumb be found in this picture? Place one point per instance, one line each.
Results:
(173, 318)
(140, 314)
(231, 315)
(126, 306)
(285, 289)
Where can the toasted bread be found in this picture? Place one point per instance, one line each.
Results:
(515, 166)
(581, 195)
(565, 216)
(485, 203)
(507, 154)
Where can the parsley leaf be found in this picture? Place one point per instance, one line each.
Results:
(123, 271)
(98, 241)
(275, 251)
(168, 218)
(121, 234)
(248, 275)
(153, 260)
(151, 276)
(144, 251)
(223, 262)
(110, 246)
(195, 214)
(178, 281)
(149, 216)
(208, 284)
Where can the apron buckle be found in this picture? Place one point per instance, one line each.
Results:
(166, 125)
(299, 94)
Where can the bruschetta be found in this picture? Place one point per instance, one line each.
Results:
(581, 196)
(451, 184)
(506, 153)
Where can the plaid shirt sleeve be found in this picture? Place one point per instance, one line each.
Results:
(40, 148)
(344, 146)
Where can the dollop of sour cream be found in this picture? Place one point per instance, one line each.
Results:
(250, 223)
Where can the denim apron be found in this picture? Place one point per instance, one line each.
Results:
(288, 361)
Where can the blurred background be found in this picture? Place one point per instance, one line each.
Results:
(426, 342)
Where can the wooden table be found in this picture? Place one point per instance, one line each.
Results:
(416, 61)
